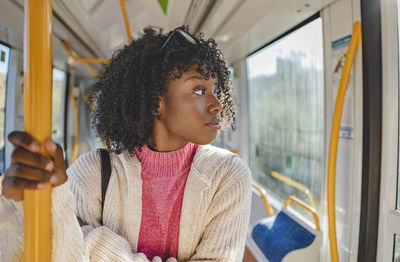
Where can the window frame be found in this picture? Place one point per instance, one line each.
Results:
(389, 216)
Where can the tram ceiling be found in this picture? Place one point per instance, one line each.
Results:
(228, 21)
(95, 28)
(12, 32)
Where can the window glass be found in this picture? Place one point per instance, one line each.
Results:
(58, 103)
(398, 180)
(398, 143)
(286, 114)
(4, 56)
(396, 251)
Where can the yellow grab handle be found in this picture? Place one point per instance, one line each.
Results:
(295, 184)
(126, 20)
(91, 69)
(84, 59)
(305, 206)
(337, 116)
(264, 198)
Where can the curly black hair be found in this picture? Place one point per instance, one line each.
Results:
(125, 97)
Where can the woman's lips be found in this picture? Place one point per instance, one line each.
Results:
(214, 125)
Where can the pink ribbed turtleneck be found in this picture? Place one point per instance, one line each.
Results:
(164, 176)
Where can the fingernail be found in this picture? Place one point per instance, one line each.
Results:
(53, 145)
(35, 147)
(41, 185)
(49, 166)
(53, 179)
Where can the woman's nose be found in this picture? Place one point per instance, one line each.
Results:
(215, 105)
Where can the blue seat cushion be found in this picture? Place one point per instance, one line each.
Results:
(284, 236)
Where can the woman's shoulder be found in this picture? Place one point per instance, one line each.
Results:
(86, 163)
(210, 152)
(212, 160)
(86, 170)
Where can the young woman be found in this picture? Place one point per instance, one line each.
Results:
(171, 196)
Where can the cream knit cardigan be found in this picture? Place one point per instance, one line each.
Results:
(214, 218)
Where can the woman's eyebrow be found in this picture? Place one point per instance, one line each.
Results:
(191, 77)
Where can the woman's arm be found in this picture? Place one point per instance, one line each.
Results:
(69, 242)
(11, 230)
(99, 242)
(227, 218)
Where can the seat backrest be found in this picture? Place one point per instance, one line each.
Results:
(286, 234)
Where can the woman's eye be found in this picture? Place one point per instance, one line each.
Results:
(201, 91)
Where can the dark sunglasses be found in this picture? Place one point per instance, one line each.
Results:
(189, 38)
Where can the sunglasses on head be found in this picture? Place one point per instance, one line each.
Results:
(188, 37)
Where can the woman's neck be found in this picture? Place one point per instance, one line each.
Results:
(164, 148)
(162, 140)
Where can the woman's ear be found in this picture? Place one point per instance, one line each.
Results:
(161, 108)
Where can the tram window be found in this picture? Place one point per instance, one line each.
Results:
(4, 56)
(286, 112)
(396, 251)
(57, 104)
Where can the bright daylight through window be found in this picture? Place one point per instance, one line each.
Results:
(286, 111)
(58, 95)
(4, 56)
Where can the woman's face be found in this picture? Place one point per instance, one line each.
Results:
(189, 112)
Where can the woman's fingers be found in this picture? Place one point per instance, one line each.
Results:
(13, 187)
(28, 173)
(57, 156)
(55, 153)
(142, 257)
(23, 156)
(25, 140)
(156, 259)
(29, 168)
(19, 177)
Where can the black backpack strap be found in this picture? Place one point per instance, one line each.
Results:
(105, 176)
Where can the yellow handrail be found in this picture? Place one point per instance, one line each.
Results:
(354, 42)
(92, 70)
(88, 60)
(295, 184)
(37, 122)
(76, 115)
(264, 198)
(84, 59)
(126, 20)
(86, 98)
(305, 206)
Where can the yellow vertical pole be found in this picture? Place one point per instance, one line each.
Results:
(333, 145)
(38, 95)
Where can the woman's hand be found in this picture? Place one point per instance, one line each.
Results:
(31, 170)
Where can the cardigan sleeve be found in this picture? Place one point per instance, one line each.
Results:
(11, 230)
(227, 217)
(70, 242)
(99, 243)
(67, 239)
